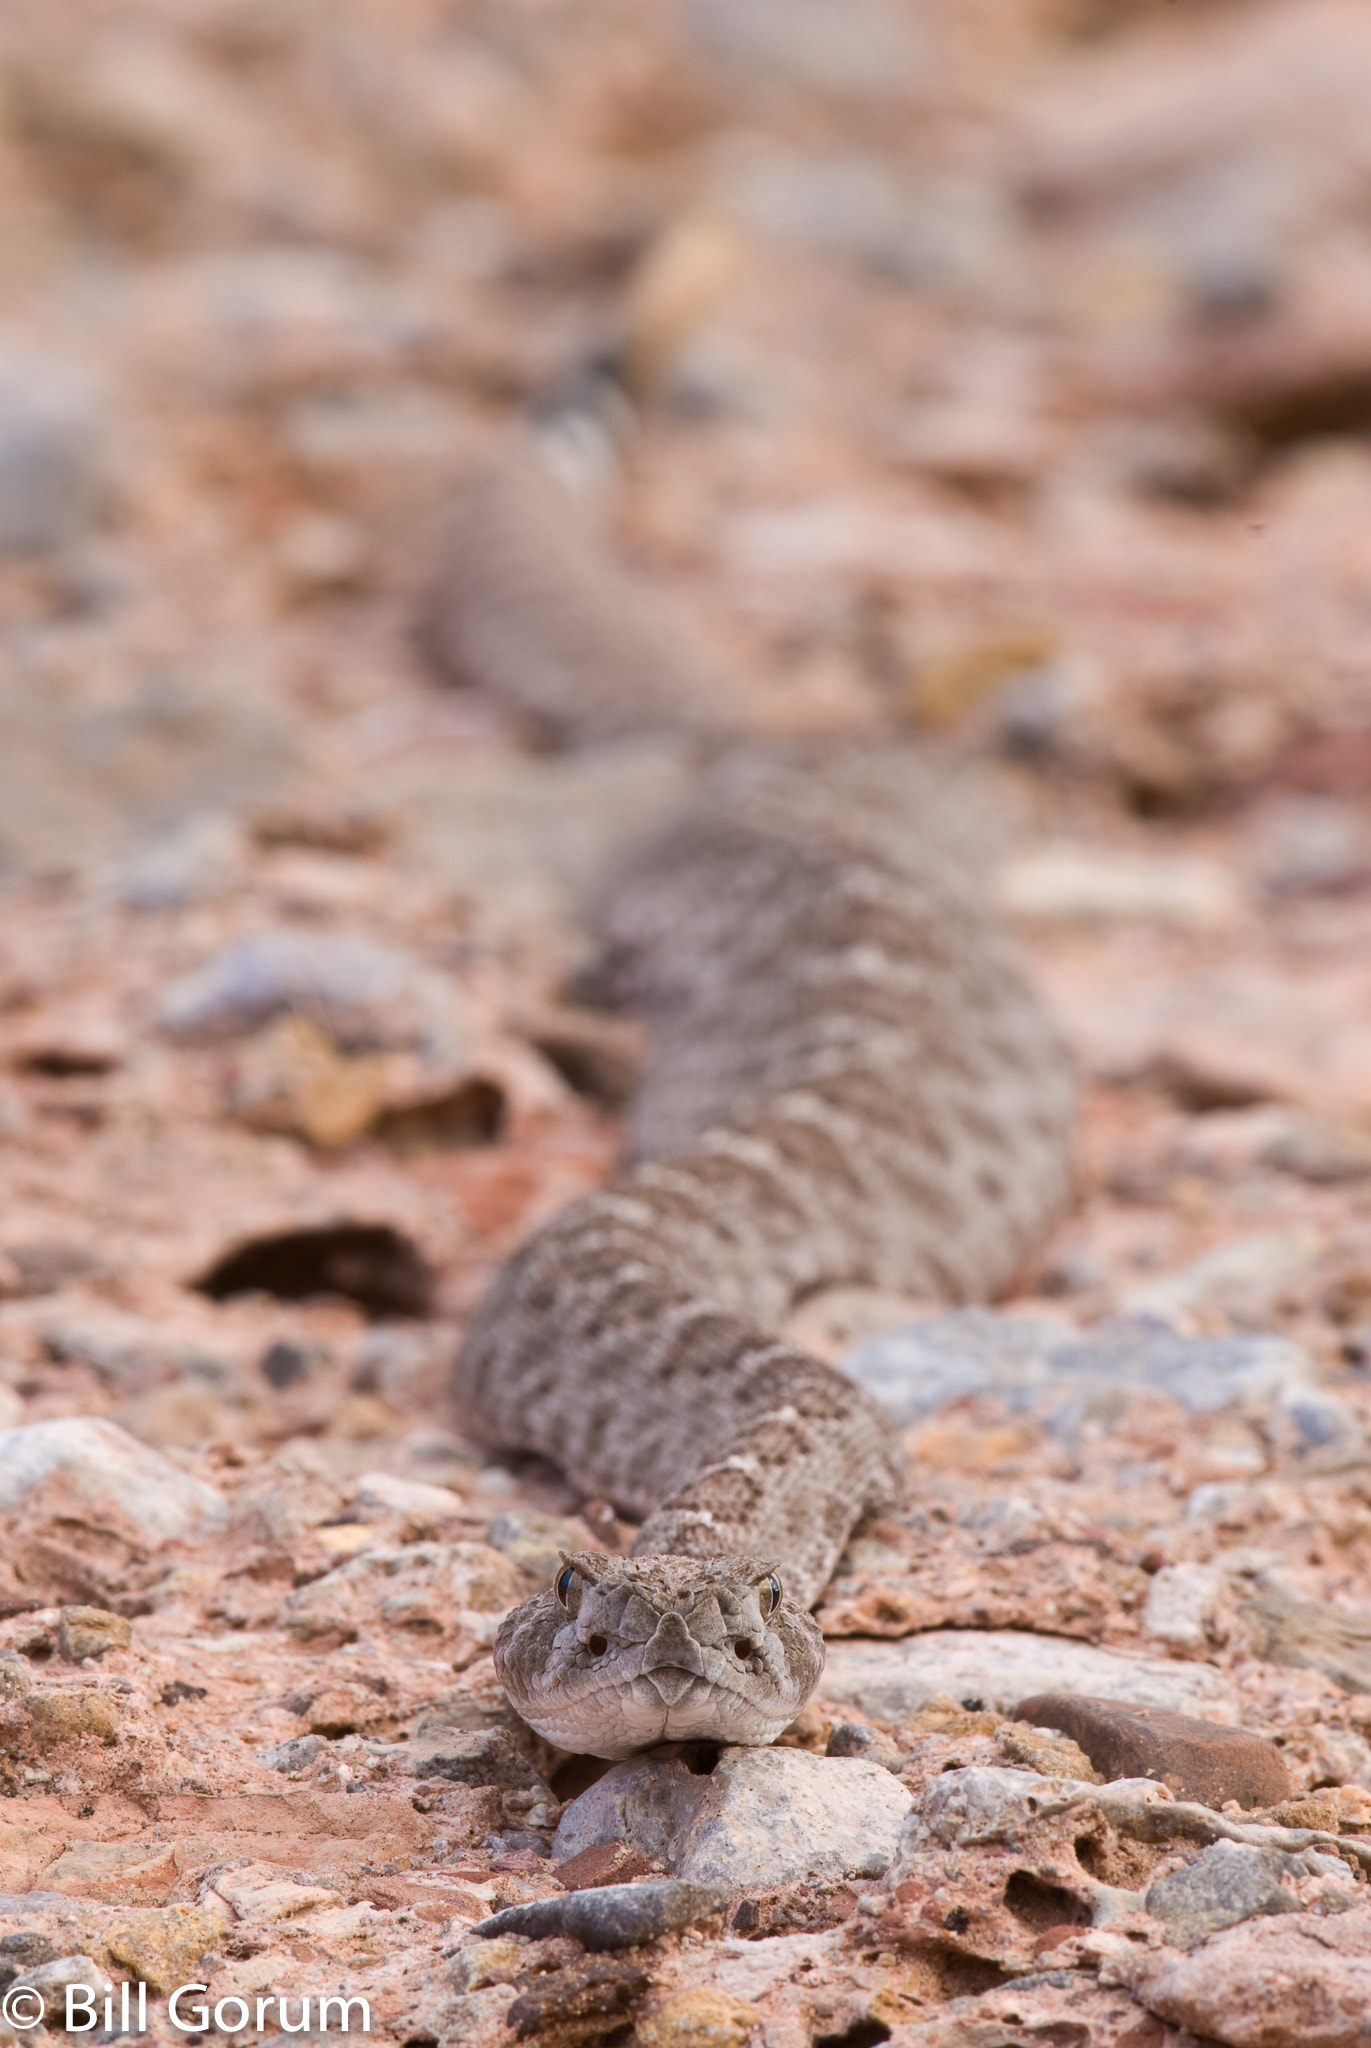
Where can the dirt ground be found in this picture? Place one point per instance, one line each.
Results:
(1005, 376)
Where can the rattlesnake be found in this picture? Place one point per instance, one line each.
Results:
(850, 1083)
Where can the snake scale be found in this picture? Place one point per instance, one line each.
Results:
(850, 1082)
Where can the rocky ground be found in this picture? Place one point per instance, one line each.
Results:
(1003, 369)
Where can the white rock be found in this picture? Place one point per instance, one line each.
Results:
(761, 1817)
(1182, 1601)
(259, 1892)
(1243, 1279)
(1092, 884)
(50, 1981)
(347, 984)
(891, 1680)
(380, 1493)
(108, 1468)
(964, 1809)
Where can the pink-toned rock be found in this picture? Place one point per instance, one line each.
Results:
(1269, 1984)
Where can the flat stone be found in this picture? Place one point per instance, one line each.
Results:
(997, 1667)
(612, 1916)
(759, 1817)
(259, 1892)
(109, 1469)
(1193, 1758)
(1036, 1362)
(1230, 1882)
(114, 1870)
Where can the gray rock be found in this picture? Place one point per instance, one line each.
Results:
(357, 991)
(289, 1758)
(50, 455)
(1317, 1430)
(50, 1982)
(846, 206)
(859, 48)
(855, 1738)
(25, 1951)
(917, 1370)
(533, 1541)
(1034, 1362)
(1182, 1604)
(970, 1808)
(760, 1817)
(87, 781)
(997, 1667)
(197, 858)
(477, 1756)
(612, 1915)
(1228, 1883)
(131, 1355)
(109, 1469)
(18, 1905)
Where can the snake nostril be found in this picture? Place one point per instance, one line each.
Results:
(596, 1645)
(744, 1648)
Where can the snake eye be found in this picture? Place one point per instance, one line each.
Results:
(769, 1594)
(569, 1588)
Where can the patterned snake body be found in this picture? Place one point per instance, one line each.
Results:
(851, 1083)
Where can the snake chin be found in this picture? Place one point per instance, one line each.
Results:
(640, 1651)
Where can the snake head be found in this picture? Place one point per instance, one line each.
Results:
(622, 1653)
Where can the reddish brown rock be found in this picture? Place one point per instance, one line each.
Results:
(603, 1863)
(1195, 1759)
